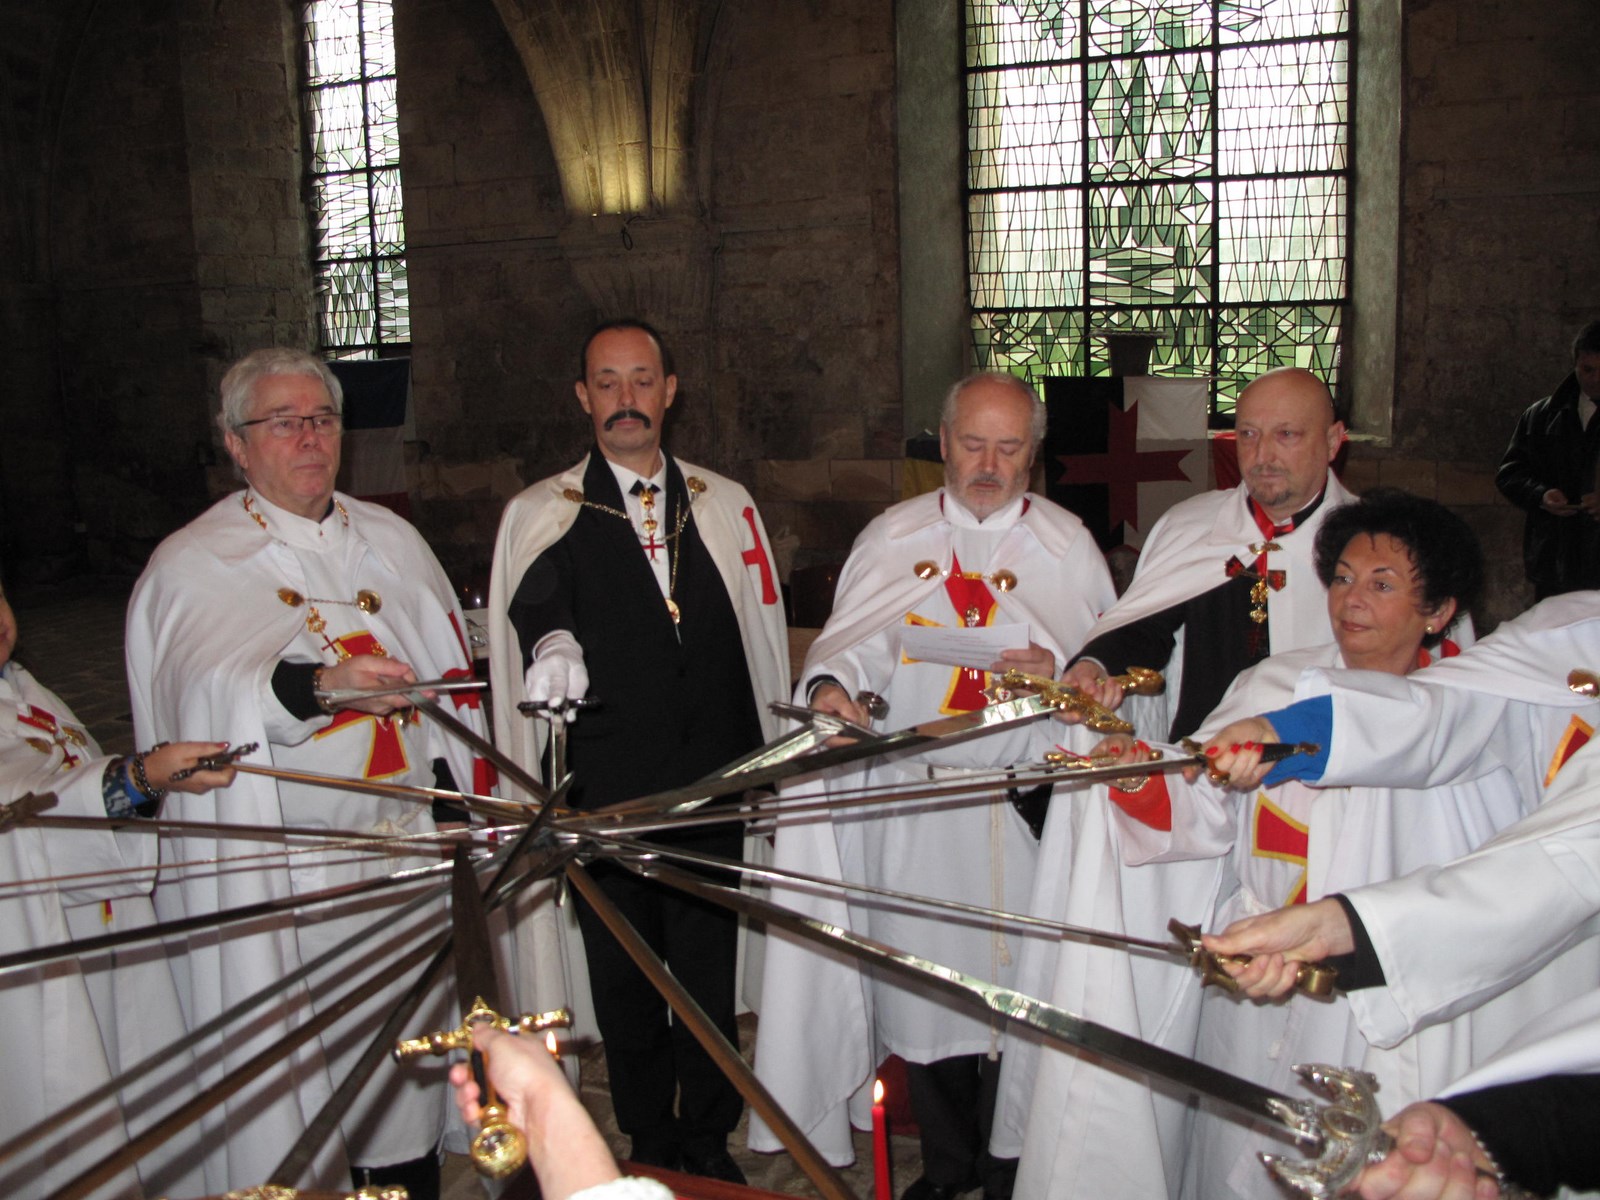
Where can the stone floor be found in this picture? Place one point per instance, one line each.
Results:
(70, 637)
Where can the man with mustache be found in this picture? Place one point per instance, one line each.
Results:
(979, 554)
(650, 582)
(1224, 579)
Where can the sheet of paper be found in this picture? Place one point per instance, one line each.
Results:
(958, 647)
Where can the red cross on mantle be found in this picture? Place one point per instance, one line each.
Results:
(386, 757)
(1123, 467)
(652, 546)
(45, 721)
(1280, 836)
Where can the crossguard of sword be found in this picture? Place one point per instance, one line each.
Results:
(1137, 681)
(556, 709)
(1314, 979)
(1347, 1131)
(499, 1147)
(443, 1041)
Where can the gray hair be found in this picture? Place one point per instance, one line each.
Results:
(242, 377)
(1037, 414)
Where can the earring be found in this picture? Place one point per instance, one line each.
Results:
(1427, 629)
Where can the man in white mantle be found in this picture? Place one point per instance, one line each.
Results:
(1225, 579)
(979, 554)
(279, 591)
(652, 581)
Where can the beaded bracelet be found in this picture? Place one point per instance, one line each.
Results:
(140, 779)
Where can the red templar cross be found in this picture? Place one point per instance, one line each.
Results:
(386, 757)
(1123, 467)
(45, 722)
(1278, 835)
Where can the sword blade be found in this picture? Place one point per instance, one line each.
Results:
(946, 731)
(475, 977)
(437, 686)
(1243, 1095)
(489, 806)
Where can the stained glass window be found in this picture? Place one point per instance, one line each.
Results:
(1178, 167)
(353, 176)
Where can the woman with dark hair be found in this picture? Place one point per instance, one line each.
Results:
(1400, 571)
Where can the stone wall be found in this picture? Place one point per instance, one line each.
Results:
(152, 230)
(796, 358)
(1500, 250)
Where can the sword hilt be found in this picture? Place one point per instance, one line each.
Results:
(1270, 753)
(542, 708)
(499, 1147)
(1314, 979)
(1138, 681)
(443, 1041)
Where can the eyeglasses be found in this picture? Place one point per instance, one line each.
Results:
(322, 424)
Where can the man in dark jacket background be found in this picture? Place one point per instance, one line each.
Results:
(1549, 471)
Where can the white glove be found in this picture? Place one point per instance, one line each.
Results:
(557, 672)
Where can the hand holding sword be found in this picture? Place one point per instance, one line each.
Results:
(564, 1148)
(1266, 954)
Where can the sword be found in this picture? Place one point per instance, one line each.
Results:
(1008, 711)
(1343, 1136)
(27, 805)
(437, 686)
(1314, 979)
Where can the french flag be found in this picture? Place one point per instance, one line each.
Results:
(377, 425)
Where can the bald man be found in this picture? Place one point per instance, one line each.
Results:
(1225, 579)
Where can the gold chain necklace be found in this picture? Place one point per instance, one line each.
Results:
(250, 508)
(647, 500)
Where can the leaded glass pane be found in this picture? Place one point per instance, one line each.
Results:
(353, 156)
(1262, 20)
(1028, 135)
(1281, 239)
(1149, 116)
(1004, 32)
(1132, 26)
(394, 311)
(383, 125)
(1184, 347)
(1150, 245)
(1253, 340)
(332, 31)
(346, 296)
(1215, 172)
(341, 217)
(1030, 344)
(1282, 108)
(1025, 249)
(388, 214)
(377, 40)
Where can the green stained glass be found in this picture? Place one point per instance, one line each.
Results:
(1031, 344)
(1150, 245)
(1282, 239)
(1029, 138)
(353, 157)
(1282, 108)
(1148, 116)
(1025, 249)
(1179, 166)
(1264, 20)
(1256, 339)
(1183, 348)
(1133, 26)
(1007, 32)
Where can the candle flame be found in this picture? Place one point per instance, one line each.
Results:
(877, 1091)
(550, 1043)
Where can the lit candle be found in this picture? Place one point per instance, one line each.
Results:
(552, 1045)
(880, 1145)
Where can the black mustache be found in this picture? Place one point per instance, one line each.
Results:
(627, 414)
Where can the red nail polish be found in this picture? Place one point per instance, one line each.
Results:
(1211, 751)
(1233, 749)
